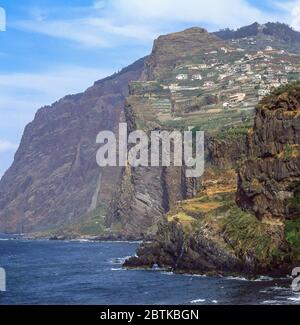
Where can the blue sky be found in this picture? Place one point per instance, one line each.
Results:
(53, 48)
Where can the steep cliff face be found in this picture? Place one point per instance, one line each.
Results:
(271, 175)
(148, 193)
(54, 178)
(211, 233)
(228, 148)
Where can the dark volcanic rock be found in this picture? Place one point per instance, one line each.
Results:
(270, 175)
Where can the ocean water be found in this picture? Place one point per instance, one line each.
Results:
(58, 272)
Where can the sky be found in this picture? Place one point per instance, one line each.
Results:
(51, 48)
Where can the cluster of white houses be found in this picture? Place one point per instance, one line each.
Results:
(237, 83)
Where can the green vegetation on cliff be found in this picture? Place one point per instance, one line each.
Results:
(292, 235)
(251, 238)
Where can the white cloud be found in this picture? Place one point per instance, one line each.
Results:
(76, 30)
(7, 146)
(290, 12)
(2, 20)
(222, 13)
(24, 89)
(296, 18)
(23, 93)
(106, 23)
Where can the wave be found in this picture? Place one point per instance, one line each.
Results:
(195, 275)
(263, 278)
(236, 278)
(119, 260)
(279, 288)
(260, 279)
(296, 299)
(81, 241)
(271, 302)
(118, 242)
(197, 301)
(167, 273)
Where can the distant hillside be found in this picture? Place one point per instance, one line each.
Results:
(282, 35)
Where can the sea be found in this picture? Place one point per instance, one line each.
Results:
(47, 272)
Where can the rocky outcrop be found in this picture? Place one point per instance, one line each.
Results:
(269, 178)
(211, 234)
(226, 151)
(54, 178)
(172, 49)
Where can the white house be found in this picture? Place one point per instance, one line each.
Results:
(197, 77)
(209, 84)
(263, 92)
(226, 105)
(237, 98)
(182, 76)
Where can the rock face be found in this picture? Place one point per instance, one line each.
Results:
(147, 194)
(226, 152)
(54, 178)
(173, 49)
(271, 175)
(211, 234)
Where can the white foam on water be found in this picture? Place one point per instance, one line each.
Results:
(277, 288)
(263, 278)
(167, 273)
(119, 260)
(236, 278)
(118, 242)
(260, 279)
(196, 275)
(297, 298)
(270, 302)
(117, 269)
(197, 301)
